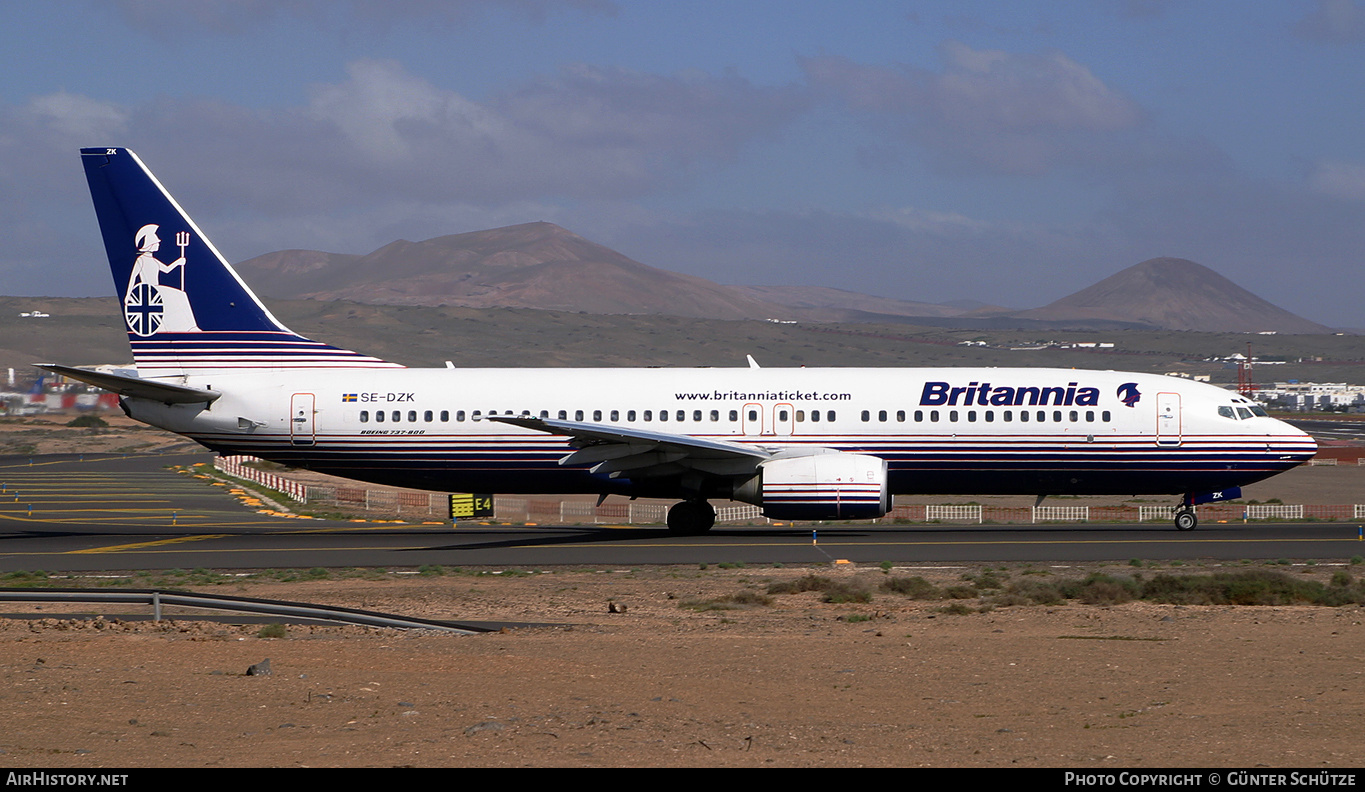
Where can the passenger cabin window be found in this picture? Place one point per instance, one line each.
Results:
(364, 416)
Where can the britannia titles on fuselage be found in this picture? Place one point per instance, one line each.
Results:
(938, 394)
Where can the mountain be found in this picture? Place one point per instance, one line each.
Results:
(533, 265)
(1173, 294)
(543, 266)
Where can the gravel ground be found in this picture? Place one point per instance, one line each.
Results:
(676, 677)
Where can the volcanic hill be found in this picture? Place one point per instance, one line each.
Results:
(1173, 294)
(533, 265)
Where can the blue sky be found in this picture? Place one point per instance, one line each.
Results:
(1010, 152)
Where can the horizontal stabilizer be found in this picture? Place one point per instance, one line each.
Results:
(133, 387)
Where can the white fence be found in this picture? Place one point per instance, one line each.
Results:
(1146, 513)
(1284, 511)
(235, 466)
(1046, 513)
(956, 513)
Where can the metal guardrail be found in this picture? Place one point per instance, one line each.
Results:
(159, 597)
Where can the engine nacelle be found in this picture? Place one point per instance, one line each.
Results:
(832, 486)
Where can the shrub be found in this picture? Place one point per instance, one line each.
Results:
(913, 587)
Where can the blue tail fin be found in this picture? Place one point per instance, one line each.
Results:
(191, 313)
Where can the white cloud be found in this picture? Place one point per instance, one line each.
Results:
(1007, 112)
(1339, 180)
(76, 117)
(1334, 22)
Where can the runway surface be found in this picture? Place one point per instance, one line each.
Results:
(1352, 432)
(94, 514)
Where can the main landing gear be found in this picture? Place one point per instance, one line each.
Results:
(691, 518)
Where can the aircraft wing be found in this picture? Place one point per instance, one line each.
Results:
(134, 387)
(637, 453)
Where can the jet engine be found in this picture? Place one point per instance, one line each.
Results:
(829, 486)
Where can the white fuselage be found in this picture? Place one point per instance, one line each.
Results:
(950, 430)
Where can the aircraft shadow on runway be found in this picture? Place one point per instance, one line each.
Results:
(577, 535)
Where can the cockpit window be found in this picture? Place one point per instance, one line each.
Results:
(1258, 410)
(1243, 413)
(1226, 412)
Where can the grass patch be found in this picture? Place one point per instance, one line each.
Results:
(916, 588)
(746, 598)
(835, 591)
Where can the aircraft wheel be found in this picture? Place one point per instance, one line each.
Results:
(1185, 521)
(691, 518)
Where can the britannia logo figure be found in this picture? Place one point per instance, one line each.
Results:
(150, 306)
(1129, 394)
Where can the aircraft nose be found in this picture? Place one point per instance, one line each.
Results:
(1297, 441)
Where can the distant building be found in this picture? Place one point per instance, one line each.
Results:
(1306, 396)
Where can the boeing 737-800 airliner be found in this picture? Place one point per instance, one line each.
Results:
(213, 364)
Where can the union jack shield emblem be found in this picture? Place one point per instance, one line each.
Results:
(143, 309)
